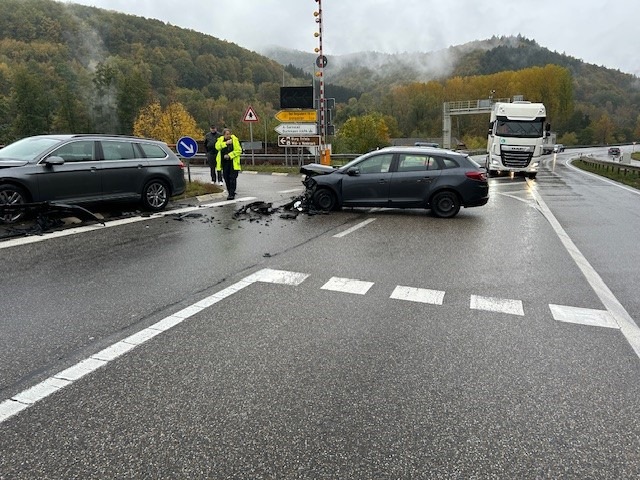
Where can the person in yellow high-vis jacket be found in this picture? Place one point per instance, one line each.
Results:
(228, 160)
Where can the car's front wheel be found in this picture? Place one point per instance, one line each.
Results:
(155, 195)
(325, 199)
(12, 195)
(445, 204)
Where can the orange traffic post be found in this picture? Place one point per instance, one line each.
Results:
(325, 156)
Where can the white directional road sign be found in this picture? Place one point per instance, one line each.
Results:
(297, 129)
(297, 141)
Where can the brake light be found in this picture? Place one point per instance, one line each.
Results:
(181, 165)
(479, 176)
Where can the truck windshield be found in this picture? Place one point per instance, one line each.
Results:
(519, 128)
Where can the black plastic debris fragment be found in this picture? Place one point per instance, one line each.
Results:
(263, 208)
(289, 211)
(48, 215)
(182, 216)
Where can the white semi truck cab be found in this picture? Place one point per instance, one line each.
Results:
(516, 137)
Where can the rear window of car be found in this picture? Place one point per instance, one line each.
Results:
(449, 163)
(416, 163)
(118, 150)
(152, 150)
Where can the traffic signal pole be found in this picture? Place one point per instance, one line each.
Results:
(321, 62)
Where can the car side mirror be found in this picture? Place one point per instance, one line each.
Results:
(54, 160)
(353, 172)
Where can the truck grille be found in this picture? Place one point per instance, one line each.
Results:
(516, 157)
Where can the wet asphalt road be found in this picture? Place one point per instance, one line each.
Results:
(299, 381)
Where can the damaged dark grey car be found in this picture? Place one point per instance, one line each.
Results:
(400, 177)
(82, 169)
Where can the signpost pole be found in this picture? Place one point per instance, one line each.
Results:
(321, 63)
(187, 147)
(253, 158)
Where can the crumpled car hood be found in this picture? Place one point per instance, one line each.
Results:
(314, 169)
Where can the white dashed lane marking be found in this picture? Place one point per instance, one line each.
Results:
(347, 285)
(420, 295)
(501, 305)
(583, 316)
(26, 398)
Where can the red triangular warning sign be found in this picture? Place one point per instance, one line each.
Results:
(250, 115)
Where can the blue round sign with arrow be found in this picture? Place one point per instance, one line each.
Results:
(187, 147)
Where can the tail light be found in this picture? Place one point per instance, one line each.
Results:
(476, 175)
(181, 165)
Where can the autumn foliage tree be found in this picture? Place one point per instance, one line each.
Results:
(363, 133)
(168, 124)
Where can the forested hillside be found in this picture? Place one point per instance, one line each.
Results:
(605, 103)
(72, 68)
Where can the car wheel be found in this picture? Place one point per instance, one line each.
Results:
(12, 195)
(155, 195)
(325, 199)
(445, 204)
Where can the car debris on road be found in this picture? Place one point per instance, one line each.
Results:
(48, 215)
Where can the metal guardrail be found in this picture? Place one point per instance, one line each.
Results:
(613, 166)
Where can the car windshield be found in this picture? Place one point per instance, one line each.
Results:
(517, 128)
(27, 148)
(347, 166)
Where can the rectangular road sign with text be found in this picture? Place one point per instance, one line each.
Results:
(297, 116)
(297, 129)
(297, 141)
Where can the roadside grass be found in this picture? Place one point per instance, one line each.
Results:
(631, 179)
(196, 188)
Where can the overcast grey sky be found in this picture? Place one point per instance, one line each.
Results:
(602, 32)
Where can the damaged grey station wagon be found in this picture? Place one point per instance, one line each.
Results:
(400, 177)
(86, 168)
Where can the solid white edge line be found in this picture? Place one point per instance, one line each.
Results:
(115, 223)
(569, 163)
(628, 326)
(354, 228)
(30, 396)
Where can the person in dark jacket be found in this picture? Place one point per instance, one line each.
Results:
(210, 140)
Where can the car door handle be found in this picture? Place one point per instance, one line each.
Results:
(382, 180)
(425, 179)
